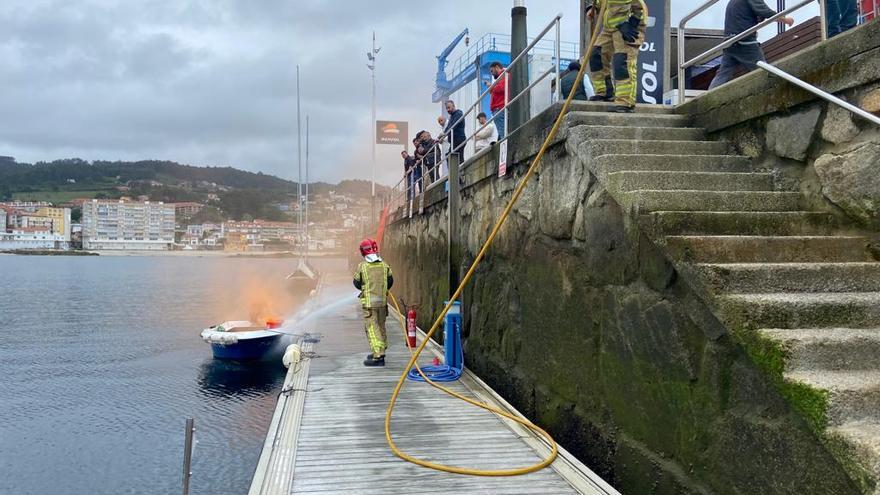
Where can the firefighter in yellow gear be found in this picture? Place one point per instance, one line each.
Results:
(373, 278)
(614, 60)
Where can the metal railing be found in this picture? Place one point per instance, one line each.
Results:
(713, 52)
(431, 171)
(818, 92)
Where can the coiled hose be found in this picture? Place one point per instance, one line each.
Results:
(464, 281)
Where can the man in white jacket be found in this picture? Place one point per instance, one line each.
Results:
(483, 138)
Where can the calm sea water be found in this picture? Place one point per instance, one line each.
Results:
(101, 362)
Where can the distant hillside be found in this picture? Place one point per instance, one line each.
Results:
(62, 180)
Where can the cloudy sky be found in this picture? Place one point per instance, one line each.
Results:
(212, 82)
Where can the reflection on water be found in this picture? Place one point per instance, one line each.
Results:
(102, 363)
(218, 378)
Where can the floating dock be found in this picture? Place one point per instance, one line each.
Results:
(328, 436)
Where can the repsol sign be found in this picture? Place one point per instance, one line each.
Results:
(652, 54)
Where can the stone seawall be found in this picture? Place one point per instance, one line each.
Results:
(580, 321)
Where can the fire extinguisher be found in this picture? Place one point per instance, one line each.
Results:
(411, 327)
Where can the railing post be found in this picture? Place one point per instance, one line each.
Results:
(187, 454)
(558, 62)
(823, 19)
(682, 84)
(452, 231)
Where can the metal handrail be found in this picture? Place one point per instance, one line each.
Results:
(403, 185)
(682, 85)
(818, 92)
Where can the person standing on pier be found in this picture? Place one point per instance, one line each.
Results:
(373, 278)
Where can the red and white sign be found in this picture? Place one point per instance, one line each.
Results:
(502, 158)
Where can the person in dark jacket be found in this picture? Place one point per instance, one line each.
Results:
(427, 150)
(409, 171)
(568, 80)
(740, 16)
(455, 128)
(841, 15)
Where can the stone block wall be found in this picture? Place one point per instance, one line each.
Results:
(581, 322)
(827, 152)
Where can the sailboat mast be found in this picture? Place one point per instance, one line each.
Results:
(299, 159)
(307, 188)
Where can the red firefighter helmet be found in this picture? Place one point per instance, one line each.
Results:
(369, 246)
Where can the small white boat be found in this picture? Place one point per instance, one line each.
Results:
(242, 340)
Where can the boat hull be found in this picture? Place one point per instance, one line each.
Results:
(245, 349)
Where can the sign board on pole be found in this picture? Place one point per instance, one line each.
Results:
(652, 54)
(502, 158)
(392, 132)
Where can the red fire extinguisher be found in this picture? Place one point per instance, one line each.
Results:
(411, 327)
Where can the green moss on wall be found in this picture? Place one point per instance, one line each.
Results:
(771, 356)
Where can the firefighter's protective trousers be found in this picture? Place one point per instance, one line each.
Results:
(614, 61)
(373, 279)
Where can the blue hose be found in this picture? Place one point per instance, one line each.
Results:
(441, 373)
(453, 353)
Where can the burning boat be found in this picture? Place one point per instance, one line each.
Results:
(242, 340)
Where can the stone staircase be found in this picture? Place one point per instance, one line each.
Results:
(782, 277)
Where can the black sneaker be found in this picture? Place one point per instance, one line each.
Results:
(370, 361)
(623, 109)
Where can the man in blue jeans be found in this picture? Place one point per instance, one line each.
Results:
(842, 15)
(740, 16)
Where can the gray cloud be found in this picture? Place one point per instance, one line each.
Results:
(212, 82)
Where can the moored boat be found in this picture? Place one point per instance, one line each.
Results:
(242, 340)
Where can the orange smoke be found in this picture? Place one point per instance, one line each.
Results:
(256, 298)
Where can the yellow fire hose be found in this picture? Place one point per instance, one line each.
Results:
(464, 281)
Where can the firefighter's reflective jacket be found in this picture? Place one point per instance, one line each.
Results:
(373, 280)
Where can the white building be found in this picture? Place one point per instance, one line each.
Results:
(119, 225)
(32, 238)
(34, 226)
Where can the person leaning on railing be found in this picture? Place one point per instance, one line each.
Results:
(409, 168)
(483, 137)
(568, 80)
(740, 16)
(616, 51)
(427, 153)
(455, 128)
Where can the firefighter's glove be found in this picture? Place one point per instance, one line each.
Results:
(629, 30)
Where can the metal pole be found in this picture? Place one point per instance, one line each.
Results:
(299, 191)
(452, 232)
(818, 92)
(372, 134)
(823, 19)
(586, 29)
(306, 201)
(187, 454)
(780, 5)
(519, 72)
(682, 84)
(558, 48)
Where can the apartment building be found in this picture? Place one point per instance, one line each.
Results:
(123, 225)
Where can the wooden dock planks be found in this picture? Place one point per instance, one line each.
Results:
(340, 442)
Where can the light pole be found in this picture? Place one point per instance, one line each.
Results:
(372, 56)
